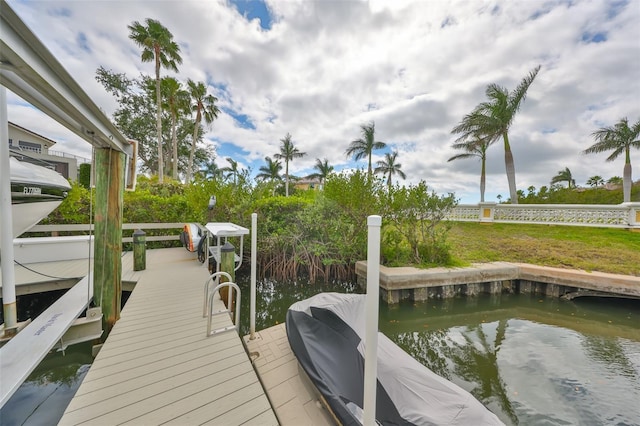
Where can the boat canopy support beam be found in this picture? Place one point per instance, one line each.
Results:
(30, 70)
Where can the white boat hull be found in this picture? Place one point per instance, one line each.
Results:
(35, 192)
(26, 215)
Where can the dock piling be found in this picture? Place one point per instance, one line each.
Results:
(139, 250)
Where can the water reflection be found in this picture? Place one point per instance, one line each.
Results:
(43, 397)
(530, 360)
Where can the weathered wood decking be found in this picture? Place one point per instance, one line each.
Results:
(157, 365)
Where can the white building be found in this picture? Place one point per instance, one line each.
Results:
(38, 147)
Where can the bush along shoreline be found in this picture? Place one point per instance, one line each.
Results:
(317, 234)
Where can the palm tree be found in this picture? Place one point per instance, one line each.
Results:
(324, 170)
(493, 119)
(157, 45)
(619, 138)
(175, 101)
(388, 167)
(564, 176)
(595, 181)
(474, 148)
(204, 106)
(270, 171)
(363, 147)
(232, 171)
(288, 152)
(212, 171)
(614, 180)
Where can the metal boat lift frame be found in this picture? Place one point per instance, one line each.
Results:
(30, 70)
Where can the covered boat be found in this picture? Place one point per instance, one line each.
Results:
(326, 333)
(35, 192)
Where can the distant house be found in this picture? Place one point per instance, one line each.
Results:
(304, 184)
(37, 149)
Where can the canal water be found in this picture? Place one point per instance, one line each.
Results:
(531, 360)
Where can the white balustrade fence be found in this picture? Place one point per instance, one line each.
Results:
(625, 215)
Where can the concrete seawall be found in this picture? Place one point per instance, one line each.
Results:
(409, 283)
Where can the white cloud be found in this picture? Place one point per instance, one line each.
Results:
(413, 67)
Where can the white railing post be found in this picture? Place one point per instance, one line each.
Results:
(254, 256)
(371, 317)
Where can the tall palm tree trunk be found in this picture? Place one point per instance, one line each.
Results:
(286, 181)
(626, 180)
(159, 121)
(511, 170)
(483, 179)
(193, 145)
(174, 142)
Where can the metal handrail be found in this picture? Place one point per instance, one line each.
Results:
(228, 310)
(207, 292)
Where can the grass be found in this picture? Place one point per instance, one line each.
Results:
(591, 249)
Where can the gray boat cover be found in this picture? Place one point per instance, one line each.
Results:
(326, 333)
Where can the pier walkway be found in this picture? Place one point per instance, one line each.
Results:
(157, 365)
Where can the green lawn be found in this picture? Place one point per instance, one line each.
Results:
(591, 249)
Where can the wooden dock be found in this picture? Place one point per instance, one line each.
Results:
(158, 366)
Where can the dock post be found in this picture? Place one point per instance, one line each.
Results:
(107, 261)
(139, 250)
(228, 265)
(374, 224)
(254, 256)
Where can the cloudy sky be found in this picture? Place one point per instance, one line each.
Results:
(320, 69)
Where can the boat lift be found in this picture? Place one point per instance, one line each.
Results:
(30, 70)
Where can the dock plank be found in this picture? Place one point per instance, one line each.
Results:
(292, 398)
(158, 366)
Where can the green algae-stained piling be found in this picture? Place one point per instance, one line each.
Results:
(158, 366)
(139, 250)
(107, 284)
(228, 265)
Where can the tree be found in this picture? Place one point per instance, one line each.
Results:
(493, 119)
(564, 176)
(135, 117)
(212, 171)
(176, 101)
(324, 170)
(619, 138)
(287, 153)
(474, 148)
(388, 167)
(595, 181)
(204, 106)
(270, 171)
(363, 147)
(232, 171)
(157, 45)
(614, 180)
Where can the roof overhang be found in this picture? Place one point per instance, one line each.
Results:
(29, 70)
